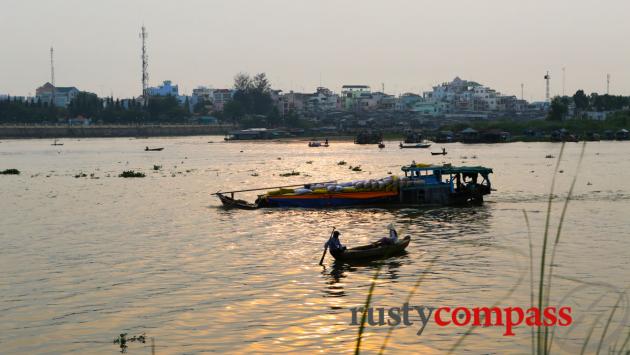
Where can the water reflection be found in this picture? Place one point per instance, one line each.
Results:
(113, 255)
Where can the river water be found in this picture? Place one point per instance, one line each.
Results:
(84, 259)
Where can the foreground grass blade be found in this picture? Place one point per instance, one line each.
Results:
(411, 293)
(541, 349)
(612, 314)
(368, 300)
(497, 303)
(531, 275)
(555, 244)
(590, 333)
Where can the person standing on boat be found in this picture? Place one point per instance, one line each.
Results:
(393, 236)
(333, 243)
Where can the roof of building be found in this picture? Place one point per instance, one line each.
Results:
(58, 89)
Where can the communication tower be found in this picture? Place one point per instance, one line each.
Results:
(547, 79)
(145, 65)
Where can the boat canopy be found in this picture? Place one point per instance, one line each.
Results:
(447, 169)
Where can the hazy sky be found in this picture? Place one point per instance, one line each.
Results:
(407, 45)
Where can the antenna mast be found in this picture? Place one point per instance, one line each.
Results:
(563, 79)
(547, 79)
(145, 65)
(52, 73)
(607, 84)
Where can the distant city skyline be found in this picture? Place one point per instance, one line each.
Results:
(409, 46)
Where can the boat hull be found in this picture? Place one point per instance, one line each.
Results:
(331, 200)
(369, 252)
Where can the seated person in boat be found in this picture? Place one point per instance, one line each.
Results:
(392, 239)
(333, 243)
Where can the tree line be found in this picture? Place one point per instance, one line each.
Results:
(252, 105)
(581, 103)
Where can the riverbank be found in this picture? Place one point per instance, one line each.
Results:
(66, 131)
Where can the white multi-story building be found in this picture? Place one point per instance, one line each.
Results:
(62, 96)
(166, 89)
(466, 96)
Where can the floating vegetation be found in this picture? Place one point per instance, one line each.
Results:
(254, 174)
(131, 174)
(80, 175)
(122, 341)
(157, 167)
(10, 172)
(309, 162)
(342, 163)
(355, 168)
(293, 173)
(279, 158)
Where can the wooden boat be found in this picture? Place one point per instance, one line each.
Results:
(371, 251)
(443, 152)
(317, 144)
(56, 143)
(147, 149)
(381, 145)
(229, 202)
(419, 145)
(422, 185)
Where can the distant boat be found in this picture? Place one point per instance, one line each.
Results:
(381, 145)
(317, 144)
(419, 145)
(56, 143)
(147, 149)
(443, 152)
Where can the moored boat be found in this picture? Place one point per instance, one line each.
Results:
(371, 251)
(419, 145)
(147, 149)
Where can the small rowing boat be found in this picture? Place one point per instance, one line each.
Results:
(229, 202)
(372, 251)
(147, 149)
(419, 145)
(443, 152)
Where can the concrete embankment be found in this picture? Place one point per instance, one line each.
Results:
(8, 132)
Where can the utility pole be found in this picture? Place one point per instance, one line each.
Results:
(522, 91)
(607, 84)
(145, 65)
(563, 79)
(52, 73)
(547, 79)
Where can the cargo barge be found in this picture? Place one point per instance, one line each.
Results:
(421, 185)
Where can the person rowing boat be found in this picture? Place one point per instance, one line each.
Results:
(333, 243)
